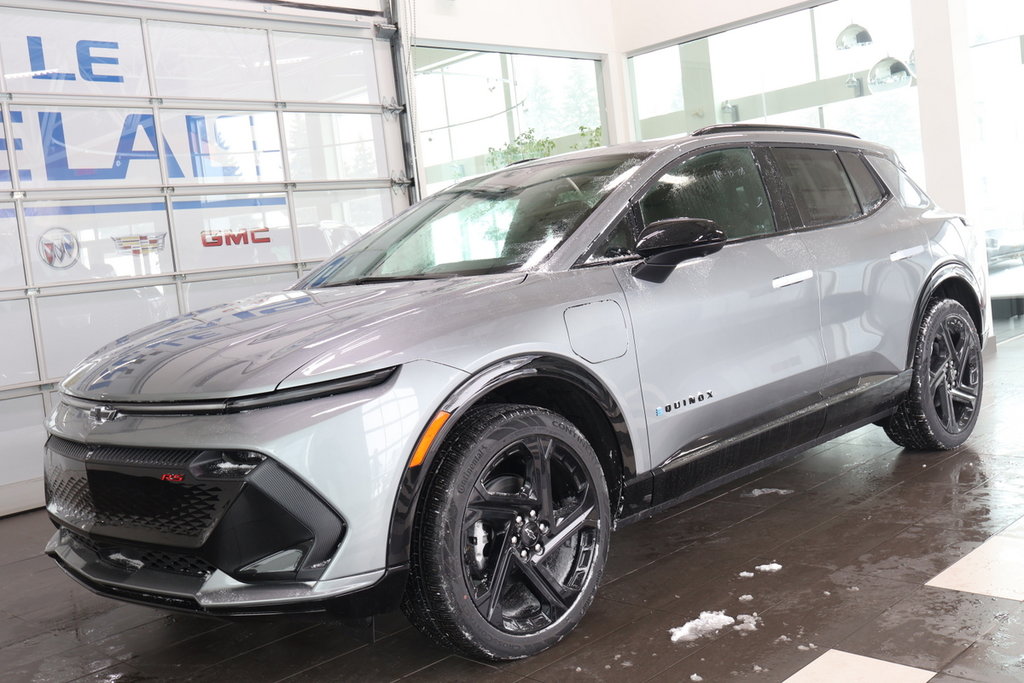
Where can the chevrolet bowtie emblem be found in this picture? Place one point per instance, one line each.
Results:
(102, 414)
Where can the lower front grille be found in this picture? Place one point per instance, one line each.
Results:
(135, 558)
(188, 513)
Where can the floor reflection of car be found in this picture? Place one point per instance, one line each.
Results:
(1004, 244)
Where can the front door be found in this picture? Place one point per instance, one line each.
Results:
(730, 342)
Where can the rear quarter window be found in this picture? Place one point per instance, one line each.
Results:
(869, 192)
(819, 184)
(900, 184)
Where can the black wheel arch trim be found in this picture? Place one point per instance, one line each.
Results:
(946, 273)
(481, 385)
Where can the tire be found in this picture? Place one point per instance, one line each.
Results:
(942, 406)
(511, 535)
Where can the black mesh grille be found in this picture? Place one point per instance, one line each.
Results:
(68, 495)
(181, 509)
(131, 557)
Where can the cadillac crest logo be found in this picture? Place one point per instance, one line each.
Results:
(58, 248)
(140, 244)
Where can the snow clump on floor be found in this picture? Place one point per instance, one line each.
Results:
(771, 567)
(746, 598)
(696, 678)
(747, 622)
(705, 624)
(746, 575)
(765, 492)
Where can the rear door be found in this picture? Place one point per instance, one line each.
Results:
(730, 341)
(871, 259)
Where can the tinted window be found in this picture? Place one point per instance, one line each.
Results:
(864, 183)
(819, 185)
(724, 186)
(900, 184)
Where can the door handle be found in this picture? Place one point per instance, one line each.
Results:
(787, 280)
(905, 253)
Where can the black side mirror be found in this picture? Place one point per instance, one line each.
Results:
(665, 244)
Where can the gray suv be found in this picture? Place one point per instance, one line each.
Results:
(453, 413)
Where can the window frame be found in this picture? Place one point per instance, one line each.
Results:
(794, 223)
(632, 213)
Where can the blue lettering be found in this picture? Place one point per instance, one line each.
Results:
(126, 151)
(199, 151)
(5, 175)
(87, 60)
(37, 62)
(55, 149)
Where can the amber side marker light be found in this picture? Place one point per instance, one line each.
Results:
(427, 439)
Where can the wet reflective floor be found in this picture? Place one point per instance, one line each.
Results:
(854, 559)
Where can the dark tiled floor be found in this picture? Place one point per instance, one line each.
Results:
(864, 527)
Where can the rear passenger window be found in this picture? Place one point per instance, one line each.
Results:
(870, 194)
(819, 185)
(724, 186)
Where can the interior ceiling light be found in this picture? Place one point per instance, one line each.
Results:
(888, 74)
(852, 36)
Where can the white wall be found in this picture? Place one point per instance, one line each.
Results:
(642, 23)
(563, 25)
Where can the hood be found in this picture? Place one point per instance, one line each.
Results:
(276, 340)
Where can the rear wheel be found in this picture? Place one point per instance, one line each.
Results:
(511, 536)
(942, 406)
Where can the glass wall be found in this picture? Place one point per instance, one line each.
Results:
(149, 167)
(995, 175)
(847, 65)
(477, 111)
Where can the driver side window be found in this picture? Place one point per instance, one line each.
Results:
(724, 186)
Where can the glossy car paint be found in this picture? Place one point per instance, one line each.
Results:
(739, 328)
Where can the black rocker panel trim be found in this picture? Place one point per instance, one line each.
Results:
(691, 473)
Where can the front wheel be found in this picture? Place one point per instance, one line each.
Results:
(942, 406)
(511, 536)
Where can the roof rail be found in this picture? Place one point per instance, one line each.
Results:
(767, 127)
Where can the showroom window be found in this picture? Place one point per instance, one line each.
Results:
(153, 163)
(477, 111)
(847, 65)
(994, 173)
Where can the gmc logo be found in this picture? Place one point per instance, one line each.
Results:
(227, 238)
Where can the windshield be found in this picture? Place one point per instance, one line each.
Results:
(509, 220)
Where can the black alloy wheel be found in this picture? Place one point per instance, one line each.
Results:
(942, 406)
(512, 536)
(953, 374)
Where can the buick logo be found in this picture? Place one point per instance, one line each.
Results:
(58, 248)
(101, 414)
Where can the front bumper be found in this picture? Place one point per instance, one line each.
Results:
(142, 522)
(217, 594)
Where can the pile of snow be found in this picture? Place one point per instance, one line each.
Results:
(771, 567)
(705, 624)
(764, 492)
(747, 622)
(696, 678)
(746, 598)
(746, 575)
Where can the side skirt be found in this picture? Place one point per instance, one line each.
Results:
(690, 474)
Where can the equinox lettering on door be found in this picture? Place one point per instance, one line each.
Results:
(682, 403)
(227, 238)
